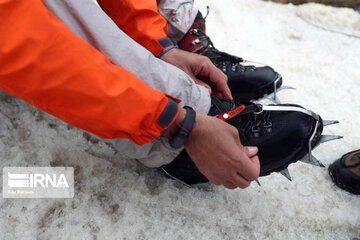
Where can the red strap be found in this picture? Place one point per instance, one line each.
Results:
(232, 113)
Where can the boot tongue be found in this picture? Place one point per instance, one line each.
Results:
(191, 42)
(220, 105)
(209, 50)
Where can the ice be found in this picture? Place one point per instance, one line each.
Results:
(117, 198)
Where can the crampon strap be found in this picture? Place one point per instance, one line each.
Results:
(231, 114)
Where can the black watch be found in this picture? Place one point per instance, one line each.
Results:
(180, 138)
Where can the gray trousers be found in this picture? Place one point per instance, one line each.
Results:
(180, 15)
(86, 20)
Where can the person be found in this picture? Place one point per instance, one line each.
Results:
(53, 58)
(147, 23)
(345, 172)
(48, 66)
(180, 23)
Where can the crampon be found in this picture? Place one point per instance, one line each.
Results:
(283, 133)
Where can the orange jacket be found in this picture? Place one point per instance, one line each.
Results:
(140, 20)
(43, 63)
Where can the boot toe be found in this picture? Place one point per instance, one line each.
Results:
(253, 83)
(288, 142)
(266, 74)
(343, 177)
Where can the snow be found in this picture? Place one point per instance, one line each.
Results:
(117, 198)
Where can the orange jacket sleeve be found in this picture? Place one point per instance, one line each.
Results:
(46, 65)
(140, 20)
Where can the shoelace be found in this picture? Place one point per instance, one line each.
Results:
(220, 59)
(256, 116)
(254, 123)
(250, 119)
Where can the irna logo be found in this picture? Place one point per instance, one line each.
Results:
(34, 180)
(38, 182)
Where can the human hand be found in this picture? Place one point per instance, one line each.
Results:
(215, 148)
(201, 70)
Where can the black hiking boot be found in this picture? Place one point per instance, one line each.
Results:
(283, 134)
(345, 172)
(245, 82)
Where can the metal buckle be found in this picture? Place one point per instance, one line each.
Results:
(255, 129)
(267, 125)
(261, 109)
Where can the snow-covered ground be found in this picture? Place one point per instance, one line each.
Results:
(117, 198)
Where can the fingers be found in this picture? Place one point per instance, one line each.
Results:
(240, 181)
(216, 76)
(233, 183)
(243, 181)
(197, 65)
(230, 163)
(241, 176)
(250, 169)
(230, 185)
(245, 174)
(255, 159)
(251, 153)
(247, 167)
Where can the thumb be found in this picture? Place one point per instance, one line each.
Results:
(251, 151)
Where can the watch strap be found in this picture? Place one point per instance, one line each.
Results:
(181, 136)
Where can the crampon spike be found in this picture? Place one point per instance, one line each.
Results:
(329, 122)
(326, 138)
(258, 182)
(313, 160)
(286, 173)
(285, 87)
(273, 97)
(316, 161)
